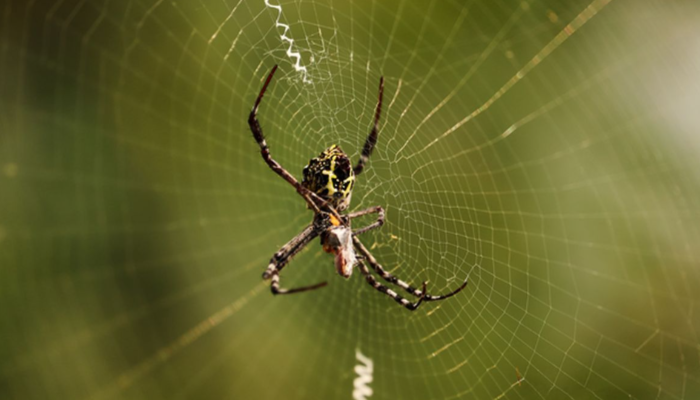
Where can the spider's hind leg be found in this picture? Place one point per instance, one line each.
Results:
(372, 138)
(311, 198)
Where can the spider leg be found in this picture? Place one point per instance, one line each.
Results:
(282, 257)
(310, 197)
(275, 286)
(372, 210)
(392, 279)
(372, 138)
(372, 281)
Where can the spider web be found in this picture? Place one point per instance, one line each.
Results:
(547, 150)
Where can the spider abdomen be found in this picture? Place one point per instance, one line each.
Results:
(330, 175)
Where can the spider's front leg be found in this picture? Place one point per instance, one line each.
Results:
(370, 279)
(276, 289)
(366, 255)
(282, 257)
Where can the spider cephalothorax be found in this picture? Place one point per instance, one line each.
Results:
(330, 176)
(327, 189)
(337, 240)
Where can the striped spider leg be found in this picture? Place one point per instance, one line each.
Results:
(371, 140)
(373, 282)
(366, 255)
(281, 258)
(312, 199)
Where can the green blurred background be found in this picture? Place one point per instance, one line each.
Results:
(547, 149)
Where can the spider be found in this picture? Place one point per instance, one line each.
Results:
(327, 189)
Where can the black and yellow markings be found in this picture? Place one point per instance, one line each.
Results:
(331, 183)
(330, 174)
(348, 183)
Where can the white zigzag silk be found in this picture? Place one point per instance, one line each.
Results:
(292, 54)
(362, 391)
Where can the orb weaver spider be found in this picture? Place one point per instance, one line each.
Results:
(327, 189)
